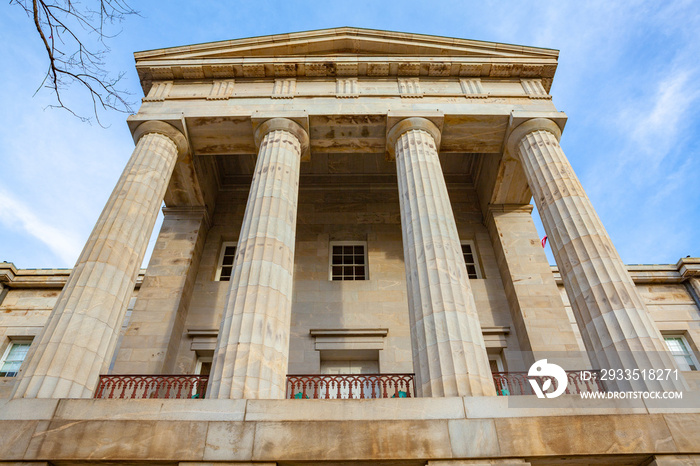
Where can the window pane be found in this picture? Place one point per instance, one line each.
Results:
(471, 271)
(230, 251)
(228, 260)
(348, 262)
(14, 359)
(675, 345)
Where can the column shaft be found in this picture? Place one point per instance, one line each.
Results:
(615, 325)
(79, 338)
(449, 354)
(252, 351)
(156, 326)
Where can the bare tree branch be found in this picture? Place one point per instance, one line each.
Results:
(74, 35)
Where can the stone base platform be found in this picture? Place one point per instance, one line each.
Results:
(433, 431)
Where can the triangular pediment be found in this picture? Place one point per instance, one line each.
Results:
(348, 42)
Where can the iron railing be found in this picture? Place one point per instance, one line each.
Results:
(329, 386)
(517, 383)
(152, 386)
(350, 386)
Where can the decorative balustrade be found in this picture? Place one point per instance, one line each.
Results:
(517, 383)
(350, 386)
(152, 386)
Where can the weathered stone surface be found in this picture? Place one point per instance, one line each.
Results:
(163, 300)
(166, 410)
(614, 322)
(675, 460)
(15, 437)
(359, 440)
(229, 441)
(583, 435)
(125, 440)
(355, 410)
(535, 303)
(81, 334)
(449, 354)
(252, 352)
(685, 429)
(473, 438)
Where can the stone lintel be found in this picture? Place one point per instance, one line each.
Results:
(359, 339)
(349, 332)
(203, 340)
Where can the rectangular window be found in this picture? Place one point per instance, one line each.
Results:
(680, 349)
(348, 261)
(496, 362)
(224, 269)
(470, 259)
(13, 357)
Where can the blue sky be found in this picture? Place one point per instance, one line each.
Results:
(628, 78)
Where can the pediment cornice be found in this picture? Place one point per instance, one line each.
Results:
(345, 52)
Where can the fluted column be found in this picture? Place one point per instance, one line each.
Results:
(79, 338)
(449, 355)
(252, 351)
(615, 324)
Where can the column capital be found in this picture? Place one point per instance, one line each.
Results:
(535, 124)
(167, 130)
(282, 124)
(408, 124)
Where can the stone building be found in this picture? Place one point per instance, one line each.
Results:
(347, 215)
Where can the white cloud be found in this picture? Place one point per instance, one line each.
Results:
(15, 214)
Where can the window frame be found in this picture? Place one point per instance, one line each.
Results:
(498, 359)
(477, 265)
(200, 361)
(13, 342)
(347, 243)
(690, 353)
(220, 261)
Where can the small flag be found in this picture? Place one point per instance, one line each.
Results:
(544, 240)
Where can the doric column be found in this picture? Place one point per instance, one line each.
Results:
(449, 355)
(163, 300)
(616, 326)
(79, 338)
(252, 350)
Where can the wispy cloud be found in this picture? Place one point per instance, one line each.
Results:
(17, 215)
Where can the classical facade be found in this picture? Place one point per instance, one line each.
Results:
(348, 272)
